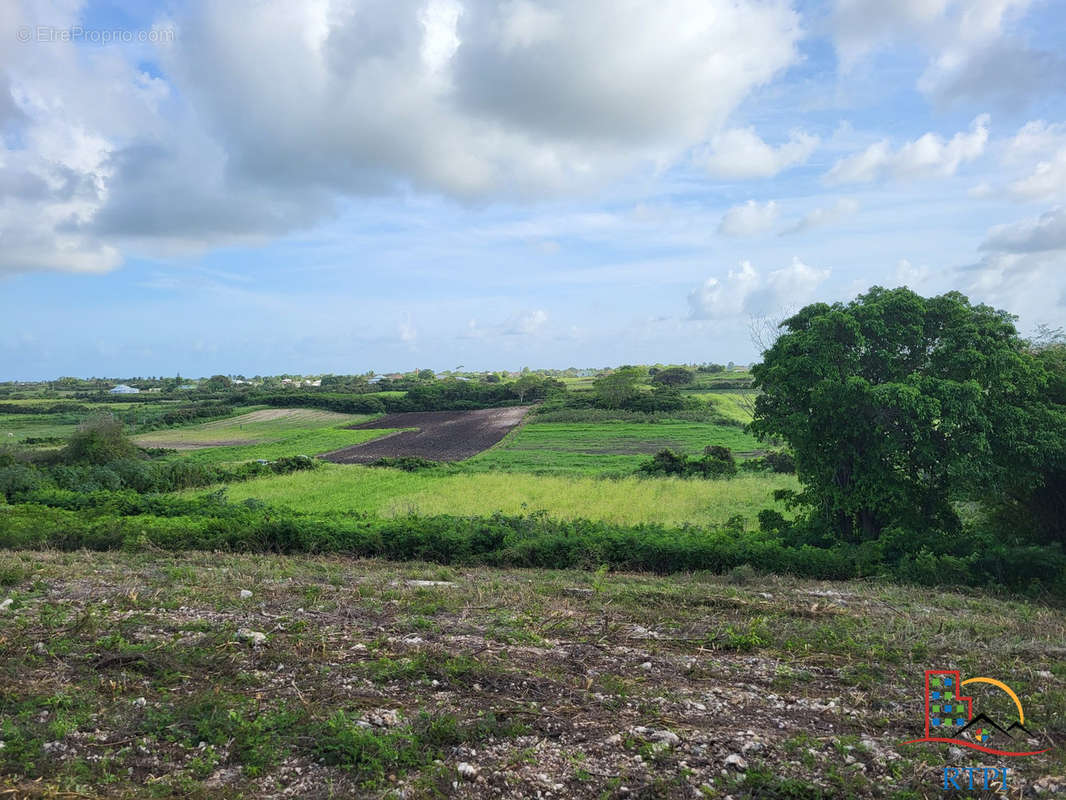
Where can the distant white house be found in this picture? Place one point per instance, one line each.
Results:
(376, 379)
(124, 389)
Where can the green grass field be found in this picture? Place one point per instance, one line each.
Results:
(266, 433)
(603, 448)
(15, 428)
(631, 500)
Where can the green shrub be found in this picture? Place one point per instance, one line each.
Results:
(99, 440)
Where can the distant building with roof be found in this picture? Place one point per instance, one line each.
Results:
(124, 389)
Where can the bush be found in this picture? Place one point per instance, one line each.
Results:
(717, 462)
(98, 440)
(781, 462)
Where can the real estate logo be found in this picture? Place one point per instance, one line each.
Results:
(949, 717)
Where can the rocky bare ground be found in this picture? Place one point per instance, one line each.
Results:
(210, 675)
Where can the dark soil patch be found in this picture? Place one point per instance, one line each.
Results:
(439, 435)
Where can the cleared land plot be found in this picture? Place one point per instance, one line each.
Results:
(267, 433)
(390, 492)
(438, 435)
(617, 448)
(126, 675)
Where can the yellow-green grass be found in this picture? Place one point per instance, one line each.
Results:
(603, 448)
(733, 405)
(268, 433)
(631, 500)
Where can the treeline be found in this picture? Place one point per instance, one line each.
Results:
(444, 395)
(128, 520)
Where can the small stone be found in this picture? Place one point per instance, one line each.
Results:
(1043, 673)
(245, 594)
(4, 606)
(736, 761)
(646, 665)
(256, 638)
(40, 648)
(140, 702)
(667, 737)
(467, 771)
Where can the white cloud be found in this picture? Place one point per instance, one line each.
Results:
(748, 219)
(1024, 267)
(407, 332)
(828, 215)
(745, 291)
(474, 100)
(974, 53)
(1007, 73)
(865, 25)
(526, 324)
(925, 157)
(1041, 147)
(907, 274)
(1047, 232)
(1048, 180)
(1035, 139)
(740, 153)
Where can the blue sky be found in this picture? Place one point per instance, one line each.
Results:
(261, 187)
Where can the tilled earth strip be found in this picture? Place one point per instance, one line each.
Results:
(437, 435)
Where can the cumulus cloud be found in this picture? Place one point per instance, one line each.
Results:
(1008, 74)
(748, 219)
(740, 153)
(865, 25)
(928, 156)
(1047, 180)
(1024, 266)
(1035, 139)
(1047, 232)
(746, 291)
(474, 99)
(974, 53)
(526, 324)
(828, 215)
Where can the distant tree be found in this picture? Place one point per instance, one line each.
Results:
(425, 375)
(673, 376)
(617, 388)
(711, 368)
(524, 385)
(216, 383)
(892, 403)
(101, 439)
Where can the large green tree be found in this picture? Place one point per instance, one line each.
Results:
(895, 404)
(619, 387)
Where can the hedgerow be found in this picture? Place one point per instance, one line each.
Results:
(51, 518)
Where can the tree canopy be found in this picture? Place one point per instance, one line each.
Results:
(894, 404)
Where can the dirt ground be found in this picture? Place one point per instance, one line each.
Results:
(586, 685)
(438, 435)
